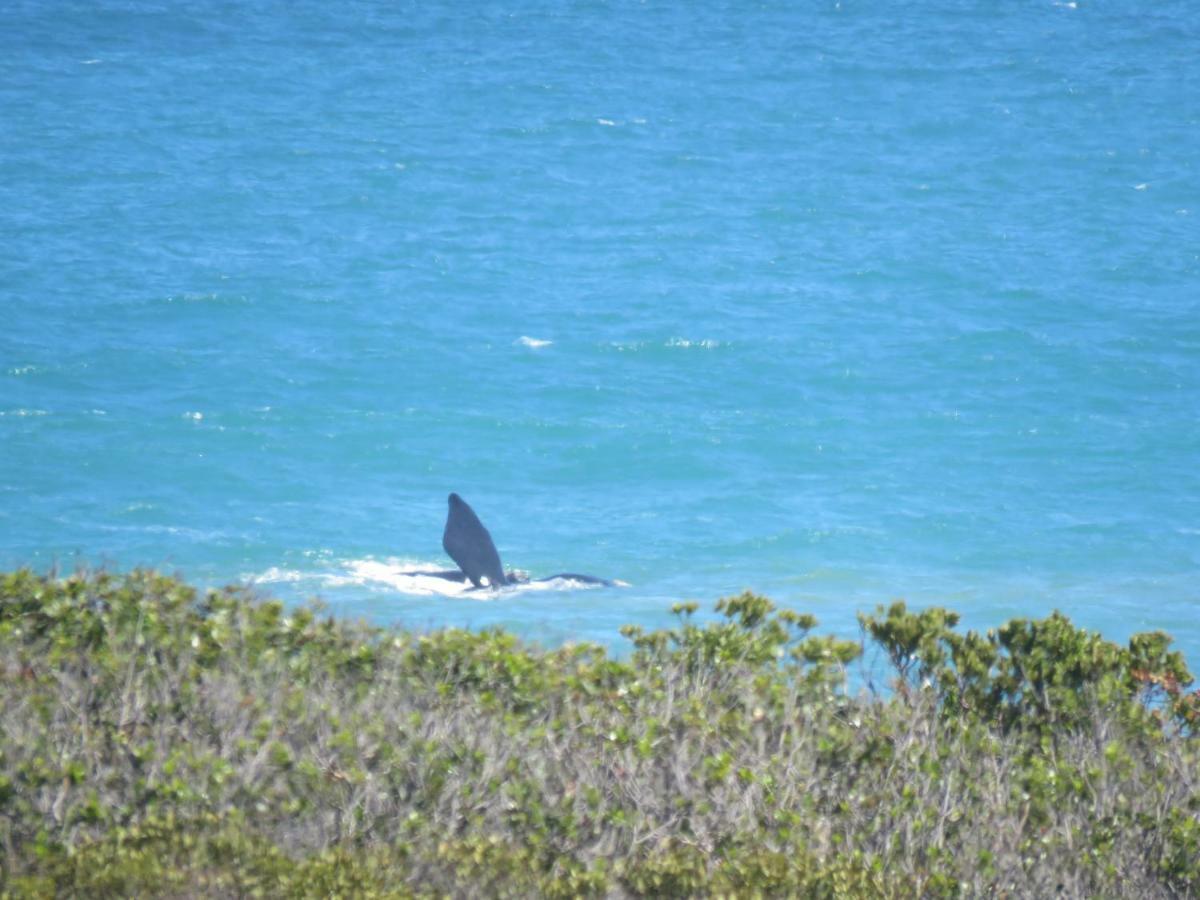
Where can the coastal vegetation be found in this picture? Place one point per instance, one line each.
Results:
(156, 740)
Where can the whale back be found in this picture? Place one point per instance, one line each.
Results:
(468, 543)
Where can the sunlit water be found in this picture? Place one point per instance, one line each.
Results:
(840, 302)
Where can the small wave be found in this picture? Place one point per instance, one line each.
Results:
(627, 346)
(199, 535)
(675, 343)
(525, 341)
(561, 584)
(21, 413)
(276, 575)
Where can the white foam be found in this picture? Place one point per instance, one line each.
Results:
(525, 341)
(409, 577)
(706, 344)
(405, 577)
(609, 122)
(276, 575)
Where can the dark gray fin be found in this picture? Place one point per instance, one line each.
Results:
(469, 544)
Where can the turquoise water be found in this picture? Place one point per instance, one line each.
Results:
(841, 302)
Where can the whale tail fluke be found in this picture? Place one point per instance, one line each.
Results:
(470, 545)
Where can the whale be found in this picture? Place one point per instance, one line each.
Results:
(467, 541)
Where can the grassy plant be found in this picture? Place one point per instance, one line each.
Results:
(157, 742)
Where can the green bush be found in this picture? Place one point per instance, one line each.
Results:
(1042, 675)
(155, 741)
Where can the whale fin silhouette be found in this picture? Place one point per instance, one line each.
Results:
(469, 544)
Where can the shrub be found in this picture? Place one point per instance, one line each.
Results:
(157, 741)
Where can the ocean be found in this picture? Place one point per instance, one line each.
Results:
(839, 302)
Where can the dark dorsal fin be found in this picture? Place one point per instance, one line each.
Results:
(468, 543)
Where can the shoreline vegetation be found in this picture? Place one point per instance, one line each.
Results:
(160, 741)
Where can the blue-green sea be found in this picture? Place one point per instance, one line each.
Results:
(842, 302)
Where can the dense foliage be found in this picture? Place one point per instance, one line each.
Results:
(158, 742)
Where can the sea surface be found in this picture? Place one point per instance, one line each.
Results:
(842, 302)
